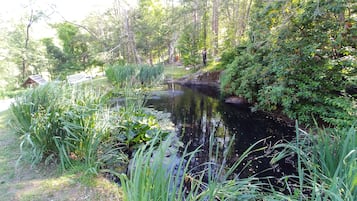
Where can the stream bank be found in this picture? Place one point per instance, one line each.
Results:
(212, 79)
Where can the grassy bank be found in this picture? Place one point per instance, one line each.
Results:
(84, 135)
(21, 182)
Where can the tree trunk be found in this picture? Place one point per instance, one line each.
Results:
(26, 45)
(131, 40)
(215, 24)
(246, 17)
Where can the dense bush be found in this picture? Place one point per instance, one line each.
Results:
(300, 61)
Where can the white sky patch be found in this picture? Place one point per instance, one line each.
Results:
(12, 11)
(74, 10)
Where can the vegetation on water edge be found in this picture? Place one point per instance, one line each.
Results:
(326, 170)
(299, 58)
(73, 126)
(119, 75)
(326, 164)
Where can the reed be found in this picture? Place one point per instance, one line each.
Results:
(156, 174)
(68, 124)
(122, 75)
(327, 164)
(150, 75)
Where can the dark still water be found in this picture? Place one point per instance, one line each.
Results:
(198, 112)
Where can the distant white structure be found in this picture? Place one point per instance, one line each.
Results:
(78, 78)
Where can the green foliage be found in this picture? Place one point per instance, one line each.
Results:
(152, 29)
(299, 60)
(150, 74)
(55, 55)
(188, 47)
(228, 56)
(73, 125)
(59, 122)
(75, 54)
(327, 164)
(120, 75)
(157, 173)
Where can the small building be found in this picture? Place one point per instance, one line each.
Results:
(34, 80)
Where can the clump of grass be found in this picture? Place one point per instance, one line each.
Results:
(73, 125)
(327, 164)
(158, 174)
(121, 75)
(150, 75)
(64, 123)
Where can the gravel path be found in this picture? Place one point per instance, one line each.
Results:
(5, 104)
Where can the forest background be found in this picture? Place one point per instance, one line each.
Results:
(296, 56)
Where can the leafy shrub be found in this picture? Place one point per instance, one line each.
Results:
(305, 77)
(228, 56)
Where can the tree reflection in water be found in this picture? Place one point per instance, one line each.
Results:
(198, 112)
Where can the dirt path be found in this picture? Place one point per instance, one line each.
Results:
(5, 104)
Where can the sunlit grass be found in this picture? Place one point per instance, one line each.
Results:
(175, 72)
(67, 187)
(213, 66)
(11, 93)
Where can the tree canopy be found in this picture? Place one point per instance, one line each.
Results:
(297, 56)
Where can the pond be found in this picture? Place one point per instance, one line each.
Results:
(198, 112)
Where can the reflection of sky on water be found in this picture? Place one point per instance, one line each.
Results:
(198, 113)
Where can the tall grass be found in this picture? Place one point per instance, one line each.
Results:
(150, 75)
(64, 123)
(73, 125)
(158, 174)
(121, 75)
(327, 164)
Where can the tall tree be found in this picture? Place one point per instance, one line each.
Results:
(75, 53)
(215, 26)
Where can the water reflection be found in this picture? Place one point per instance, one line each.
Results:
(199, 113)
